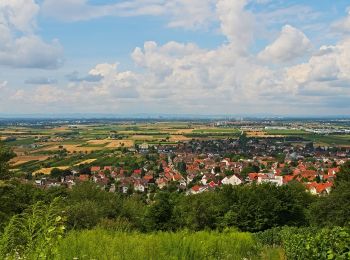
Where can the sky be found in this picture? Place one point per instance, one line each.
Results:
(233, 57)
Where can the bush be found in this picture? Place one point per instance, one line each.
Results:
(322, 244)
(309, 243)
(34, 234)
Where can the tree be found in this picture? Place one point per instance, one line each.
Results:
(6, 155)
(159, 214)
(333, 210)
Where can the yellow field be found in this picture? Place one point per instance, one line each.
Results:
(23, 159)
(178, 138)
(85, 162)
(47, 171)
(143, 137)
(98, 142)
(119, 143)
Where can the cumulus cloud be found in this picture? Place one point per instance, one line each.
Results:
(290, 45)
(19, 46)
(181, 77)
(343, 25)
(326, 74)
(237, 24)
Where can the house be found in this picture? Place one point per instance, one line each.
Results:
(84, 177)
(319, 188)
(139, 186)
(107, 168)
(268, 178)
(95, 169)
(232, 180)
(161, 182)
(197, 189)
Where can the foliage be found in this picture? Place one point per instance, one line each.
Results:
(163, 245)
(87, 204)
(6, 154)
(309, 243)
(333, 210)
(316, 245)
(33, 234)
(15, 197)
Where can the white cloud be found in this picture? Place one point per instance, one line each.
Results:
(183, 77)
(3, 84)
(19, 46)
(237, 24)
(343, 25)
(290, 45)
(327, 73)
(180, 13)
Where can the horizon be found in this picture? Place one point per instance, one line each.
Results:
(242, 58)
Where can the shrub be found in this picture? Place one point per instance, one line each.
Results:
(322, 244)
(309, 243)
(34, 234)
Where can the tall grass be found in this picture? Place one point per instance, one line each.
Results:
(103, 244)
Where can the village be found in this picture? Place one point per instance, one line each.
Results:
(198, 166)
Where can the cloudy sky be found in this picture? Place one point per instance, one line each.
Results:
(175, 56)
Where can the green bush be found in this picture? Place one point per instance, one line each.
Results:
(33, 234)
(309, 243)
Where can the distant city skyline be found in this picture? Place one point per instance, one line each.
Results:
(175, 57)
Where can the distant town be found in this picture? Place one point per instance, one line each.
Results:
(192, 157)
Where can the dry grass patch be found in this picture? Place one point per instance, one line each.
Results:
(98, 142)
(85, 162)
(143, 137)
(178, 138)
(47, 171)
(24, 159)
(120, 143)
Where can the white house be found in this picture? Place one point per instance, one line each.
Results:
(232, 180)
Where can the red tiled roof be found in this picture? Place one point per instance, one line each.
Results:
(196, 188)
(253, 176)
(138, 171)
(95, 168)
(288, 178)
(148, 177)
(84, 177)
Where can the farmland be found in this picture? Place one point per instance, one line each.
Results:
(43, 146)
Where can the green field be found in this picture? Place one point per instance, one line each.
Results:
(102, 244)
(284, 132)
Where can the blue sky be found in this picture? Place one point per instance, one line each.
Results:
(175, 56)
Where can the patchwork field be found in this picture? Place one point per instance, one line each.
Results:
(40, 147)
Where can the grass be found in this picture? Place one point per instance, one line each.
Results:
(103, 244)
(329, 139)
(284, 132)
(216, 130)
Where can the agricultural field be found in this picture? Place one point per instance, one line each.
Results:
(62, 145)
(40, 148)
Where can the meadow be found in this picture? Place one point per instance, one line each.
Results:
(103, 244)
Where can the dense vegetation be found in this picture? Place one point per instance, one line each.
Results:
(86, 220)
